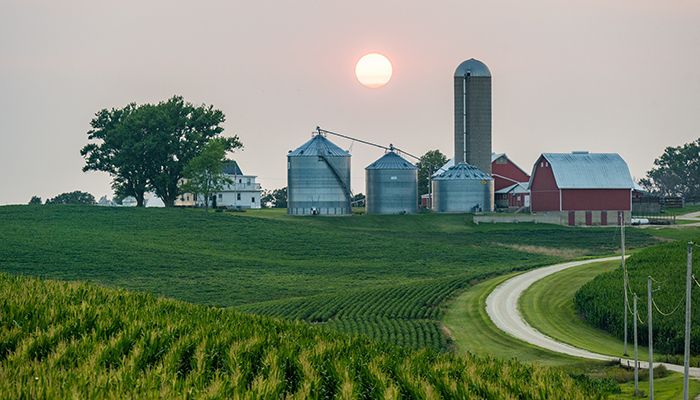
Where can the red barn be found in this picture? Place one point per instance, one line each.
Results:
(505, 172)
(510, 183)
(582, 187)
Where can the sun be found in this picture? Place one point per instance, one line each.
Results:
(373, 70)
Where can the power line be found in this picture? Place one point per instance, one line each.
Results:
(670, 313)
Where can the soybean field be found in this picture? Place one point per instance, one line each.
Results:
(387, 277)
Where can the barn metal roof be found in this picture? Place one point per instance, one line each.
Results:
(449, 164)
(473, 68)
(518, 188)
(496, 156)
(462, 171)
(318, 145)
(391, 160)
(584, 170)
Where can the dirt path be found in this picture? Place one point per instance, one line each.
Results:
(502, 308)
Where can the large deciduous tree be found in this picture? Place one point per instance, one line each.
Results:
(120, 148)
(428, 164)
(147, 147)
(203, 175)
(676, 172)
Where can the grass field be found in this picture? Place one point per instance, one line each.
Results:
(548, 305)
(473, 332)
(384, 276)
(69, 340)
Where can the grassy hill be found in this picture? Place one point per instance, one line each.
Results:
(601, 300)
(72, 340)
(384, 276)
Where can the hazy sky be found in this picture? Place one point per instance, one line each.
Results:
(611, 75)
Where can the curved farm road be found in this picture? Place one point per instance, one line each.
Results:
(502, 308)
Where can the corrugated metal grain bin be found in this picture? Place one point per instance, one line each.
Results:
(392, 186)
(318, 179)
(463, 188)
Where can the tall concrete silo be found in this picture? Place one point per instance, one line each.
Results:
(472, 107)
(463, 188)
(318, 179)
(392, 185)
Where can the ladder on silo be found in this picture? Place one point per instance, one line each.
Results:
(343, 185)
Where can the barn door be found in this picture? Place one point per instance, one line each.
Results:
(572, 218)
(589, 218)
(603, 218)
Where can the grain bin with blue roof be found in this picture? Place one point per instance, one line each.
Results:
(318, 179)
(392, 185)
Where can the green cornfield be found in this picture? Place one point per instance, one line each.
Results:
(601, 301)
(77, 340)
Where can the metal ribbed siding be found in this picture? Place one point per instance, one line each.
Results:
(463, 189)
(392, 186)
(312, 184)
(472, 114)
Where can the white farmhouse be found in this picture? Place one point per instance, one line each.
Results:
(242, 192)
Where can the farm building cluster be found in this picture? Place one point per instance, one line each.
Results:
(578, 188)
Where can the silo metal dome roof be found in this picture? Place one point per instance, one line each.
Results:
(318, 146)
(391, 160)
(462, 171)
(473, 67)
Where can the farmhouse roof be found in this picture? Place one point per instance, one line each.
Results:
(231, 168)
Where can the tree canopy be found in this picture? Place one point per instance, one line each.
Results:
(275, 199)
(76, 197)
(147, 147)
(428, 164)
(35, 201)
(203, 175)
(676, 172)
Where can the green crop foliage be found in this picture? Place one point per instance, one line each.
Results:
(601, 300)
(77, 340)
(387, 277)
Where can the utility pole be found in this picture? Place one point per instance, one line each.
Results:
(624, 273)
(688, 294)
(651, 341)
(636, 355)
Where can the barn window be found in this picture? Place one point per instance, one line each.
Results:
(252, 199)
(220, 196)
(238, 196)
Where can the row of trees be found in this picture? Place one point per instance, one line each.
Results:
(76, 197)
(149, 147)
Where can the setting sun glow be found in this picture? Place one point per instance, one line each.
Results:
(373, 70)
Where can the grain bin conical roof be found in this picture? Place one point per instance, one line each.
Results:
(462, 171)
(318, 146)
(391, 160)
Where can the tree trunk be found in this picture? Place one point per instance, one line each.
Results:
(139, 200)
